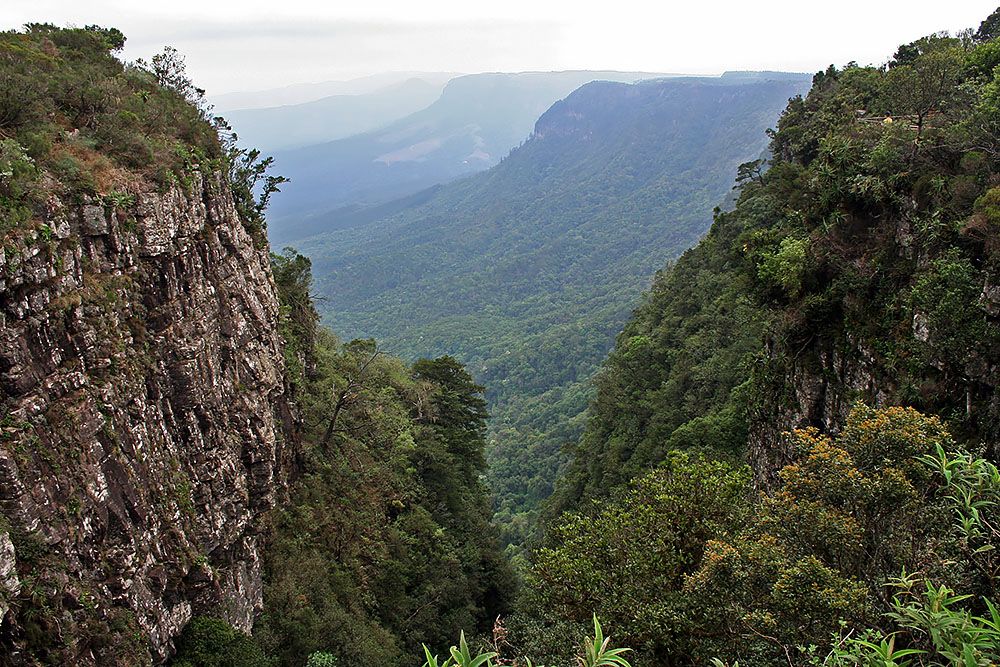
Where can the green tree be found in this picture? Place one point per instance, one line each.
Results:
(989, 29)
(629, 559)
(925, 83)
(850, 513)
(211, 642)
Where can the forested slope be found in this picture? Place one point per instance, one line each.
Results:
(865, 252)
(386, 543)
(791, 457)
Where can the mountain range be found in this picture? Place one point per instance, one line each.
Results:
(334, 117)
(300, 93)
(476, 121)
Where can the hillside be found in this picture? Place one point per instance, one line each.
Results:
(478, 119)
(791, 457)
(334, 117)
(864, 253)
(525, 272)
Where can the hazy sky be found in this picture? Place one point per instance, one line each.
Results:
(255, 44)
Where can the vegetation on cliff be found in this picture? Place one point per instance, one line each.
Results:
(865, 249)
(885, 531)
(79, 123)
(860, 265)
(385, 541)
(71, 109)
(733, 500)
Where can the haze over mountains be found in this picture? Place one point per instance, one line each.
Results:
(442, 424)
(332, 117)
(540, 259)
(478, 119)
(300, 93)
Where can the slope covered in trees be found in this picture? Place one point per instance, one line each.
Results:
(865, 252)
(861, 553)
(525, 272)
(733, 499)
(386, 543)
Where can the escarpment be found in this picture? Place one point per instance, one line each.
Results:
(145, 426)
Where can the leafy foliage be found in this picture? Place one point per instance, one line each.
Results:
(596, 652)
(928, 623)
(693, 565)
(82, 114)
(628, 560)
(211, 642)
(75, 121)
(387, 542)
(252, 186)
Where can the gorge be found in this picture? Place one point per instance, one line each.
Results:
(788, 456)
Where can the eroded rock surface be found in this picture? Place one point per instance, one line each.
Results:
(144, 430)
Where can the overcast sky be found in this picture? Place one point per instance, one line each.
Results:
(257, 44)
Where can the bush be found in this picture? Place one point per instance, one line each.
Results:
(211, 642)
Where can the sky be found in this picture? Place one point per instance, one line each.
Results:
(261, 44)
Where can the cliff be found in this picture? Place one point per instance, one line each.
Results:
(145, 428)
(150, 347)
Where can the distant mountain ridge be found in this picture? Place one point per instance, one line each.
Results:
(334, 117)
(300, 93)
(477, 120)
(527, 271)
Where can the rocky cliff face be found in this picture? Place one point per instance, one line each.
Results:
(145, 429)
(920, 363)
(817, 388)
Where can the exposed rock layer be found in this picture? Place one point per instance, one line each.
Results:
(145, 427)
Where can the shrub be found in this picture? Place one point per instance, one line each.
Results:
(211, 642)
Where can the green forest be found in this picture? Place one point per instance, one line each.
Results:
(788, 458)
(526, 272)
(387, 542)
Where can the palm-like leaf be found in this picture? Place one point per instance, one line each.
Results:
(597, 654)
(462, 657)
